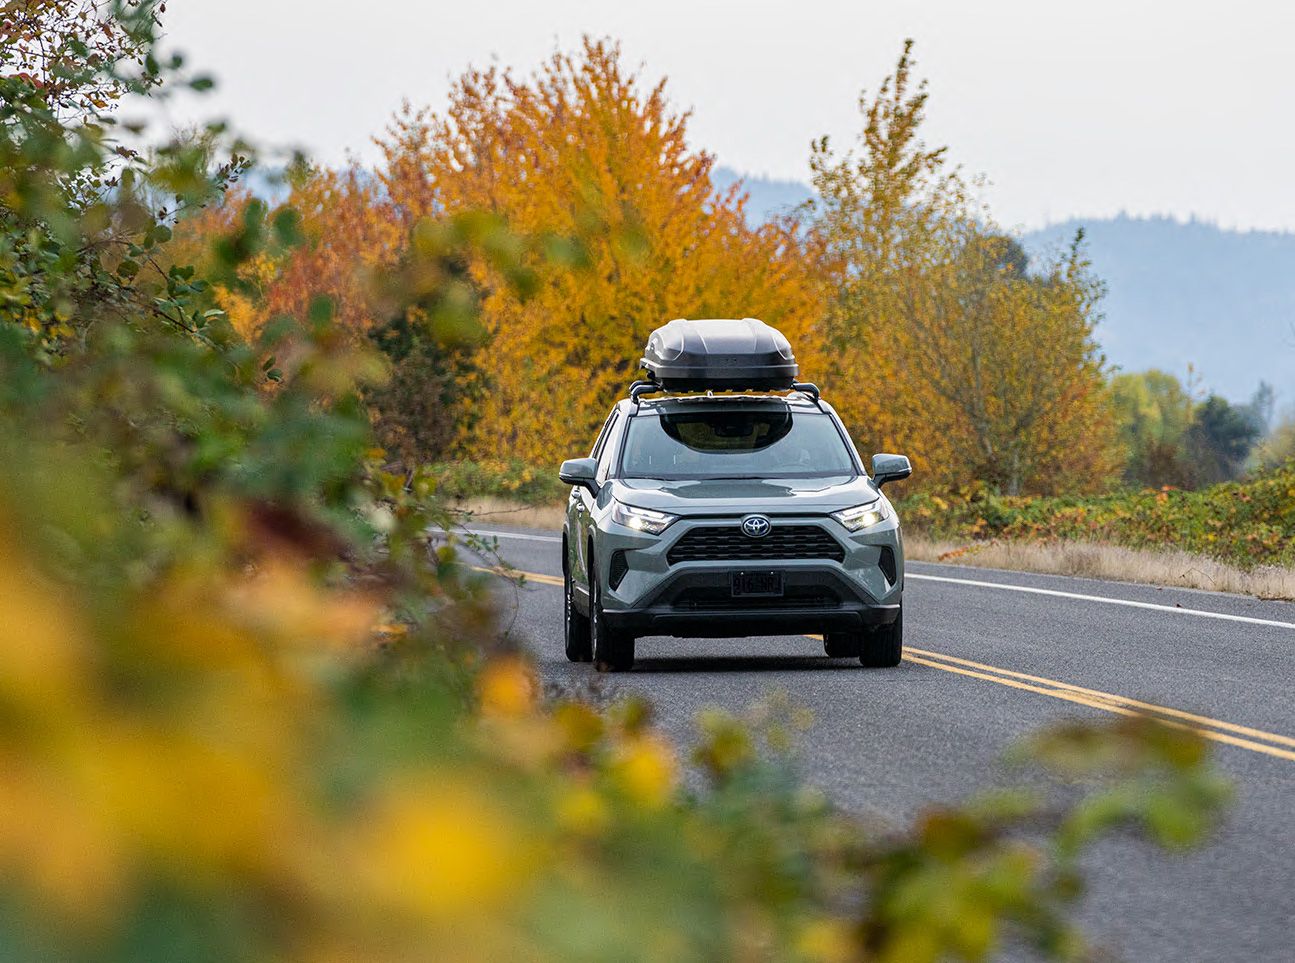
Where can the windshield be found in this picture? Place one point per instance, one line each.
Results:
(768, 441)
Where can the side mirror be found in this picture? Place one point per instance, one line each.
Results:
(580, 471)
(889, 468)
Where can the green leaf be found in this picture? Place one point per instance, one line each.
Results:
(287, 227)
(321, 310)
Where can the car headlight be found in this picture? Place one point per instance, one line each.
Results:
(859, 517)
(641, 519)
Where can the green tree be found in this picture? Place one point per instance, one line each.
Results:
(1153, 411)
(1220, 440)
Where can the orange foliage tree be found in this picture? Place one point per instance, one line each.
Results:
(347, 234)
(582, 150)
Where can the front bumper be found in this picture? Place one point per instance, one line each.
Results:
(693, 599)
(683, 608)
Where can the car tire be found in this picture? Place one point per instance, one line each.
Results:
(843, 645)
(579, 647)
(883, 646)
(613, 651)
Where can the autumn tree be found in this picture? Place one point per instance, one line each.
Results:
(1279, 447)
(939, 340)
(614, 219)
(351, 249)
(584, 154)
(876, 206)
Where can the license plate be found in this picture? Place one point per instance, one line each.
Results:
(746, 584)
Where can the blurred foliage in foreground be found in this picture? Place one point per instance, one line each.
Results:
(234, 761)
(249, 712)
(1244, 523)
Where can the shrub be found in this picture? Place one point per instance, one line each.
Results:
(1246, 523)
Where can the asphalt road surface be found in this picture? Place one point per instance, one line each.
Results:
(991, 656)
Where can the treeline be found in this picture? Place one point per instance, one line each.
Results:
(921, 319)
(1173, 439)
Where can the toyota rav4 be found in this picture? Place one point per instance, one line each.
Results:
(741, 513)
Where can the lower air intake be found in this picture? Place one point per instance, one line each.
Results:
(618, 569)
(887, 564)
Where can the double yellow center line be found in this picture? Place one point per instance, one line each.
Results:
(1217, 730)
(1256, 740)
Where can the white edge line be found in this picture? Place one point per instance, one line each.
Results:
(1106, 600)
(1154, 606)
(529, 538)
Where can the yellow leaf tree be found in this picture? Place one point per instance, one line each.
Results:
(938, 340)
(585, 154)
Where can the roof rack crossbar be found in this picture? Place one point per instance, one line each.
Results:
(647, 387)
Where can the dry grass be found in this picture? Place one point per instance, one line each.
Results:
(1113, 562)
(501, 511)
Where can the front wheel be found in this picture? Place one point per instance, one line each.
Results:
(843, 645)
(575, 625)
(613, 651)
(883, 646)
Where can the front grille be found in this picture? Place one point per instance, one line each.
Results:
(728, 543)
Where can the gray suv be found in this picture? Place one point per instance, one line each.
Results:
(725, 515)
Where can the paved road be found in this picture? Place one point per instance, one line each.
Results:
(991, 656)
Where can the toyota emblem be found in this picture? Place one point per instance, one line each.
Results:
(756, 526)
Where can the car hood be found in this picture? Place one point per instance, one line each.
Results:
(730, 496)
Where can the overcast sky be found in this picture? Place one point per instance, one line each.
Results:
(1088, 108)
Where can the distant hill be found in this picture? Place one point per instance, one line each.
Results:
(768, 197)
(1178, 293)
(1193, 293)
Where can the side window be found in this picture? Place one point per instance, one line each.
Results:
(611, 447)
(602, 435)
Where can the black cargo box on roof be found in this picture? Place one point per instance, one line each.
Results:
(720, 355)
